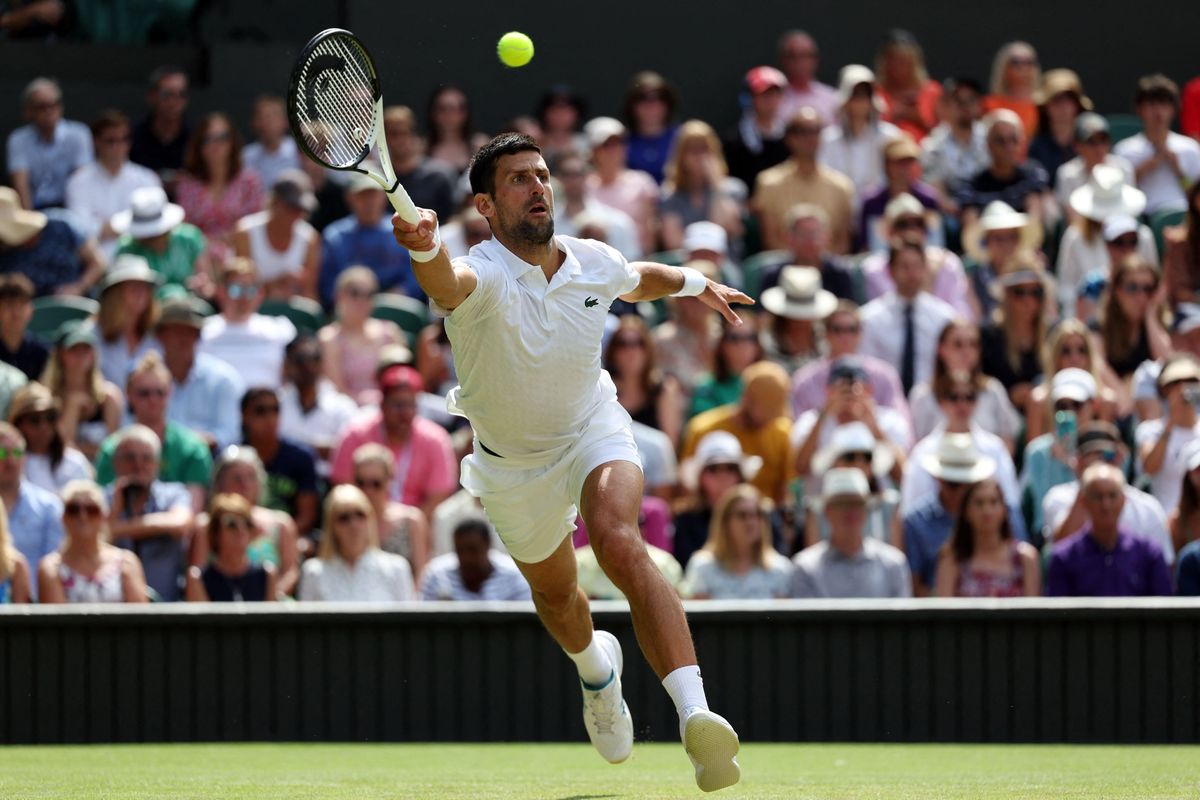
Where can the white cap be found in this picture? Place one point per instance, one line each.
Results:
(705, 235)
(601, 129)
(844, 482)
(718, 447)
(1073, 383)
(854, 437)
(903, 205)
(1118, 225)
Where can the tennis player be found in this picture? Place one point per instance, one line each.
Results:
(525, 313)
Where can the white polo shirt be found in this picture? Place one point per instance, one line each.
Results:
(527, 351)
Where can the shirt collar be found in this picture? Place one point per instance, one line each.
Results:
(519, 266)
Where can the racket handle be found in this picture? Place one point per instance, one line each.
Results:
(404, 205)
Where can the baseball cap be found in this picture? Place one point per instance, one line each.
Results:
(1073, 383)
(1088, 124)
(75, 332)
(293, 188)
(1118, 225)
(601, 129)
(401, 376)
(760, 79)
(705, 235)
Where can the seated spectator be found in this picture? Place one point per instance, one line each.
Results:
(52, 253)
(92, 407)
(808, 246)
(331, 198)
(352, 343)
(798, 58)
(451, 138)
(468, 227)
(402, 529)
(1187, 575)
(291, 471)
(791, 336)
(1022, 185)
(159, 138)
(1104, 559)
(273, 151)
(900, 171)
(1164, 162)
(474, 571)
(573, 203)
(803, 178)
(993, 243)
(1069, 346)
(1185, 521)
(34, 514)
(760, 423)
(757, 141)
(849, 563)
(598, 586)
(312, 411)
(430, 183)
(717, 466)
(1181, 256)
(737, 349)
(902, 325)
(650, 397)
(1063, 511)
(1093, 143)
(279, 240)
(88, 569)
(650, 104)
(18, 346)
(956, 150)
(1185, 340)
(983, 558)
(612, 183)
(103, 188)
(128, 313)
(1011, 339)
(49, 463)
(659, 466)
(426, 472)
(557, 120)
(183, 456)
(1060, 100)
(43, 153)
(153, 229)
(250, 342)
(230, 576)
(684, 344)
(696, 187)
(1130, 328)
(853, 144)
(365, 237)
(1162, 443)
(738, 561)
(853, 445)
(958, 352)
(908, 95)
(15, 580)
(1015, 78)
(214, 189)
(349, 566)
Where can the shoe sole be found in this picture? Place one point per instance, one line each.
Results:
(613, 649)
(712, 744)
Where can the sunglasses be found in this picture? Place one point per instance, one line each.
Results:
(842, 329)
(960, 397)
(730, 468)
(10, 452)
(235, 522)
(1021, 292)
(1107, 454)
(1133, 287)
(348, 516)
(357, 293)
(237, 291)
(1081, 350)
(1096, 141)
(148, 393)
(1023, 61)
(1125, 242)
(1003, 238)
(859, 457)
(370, 483)
(908, 225)
(964, 344)
(746, 513)
(741, 337)
(628, 343)
(116, 139)
(267, 410)
(39, 418)
(74, 509)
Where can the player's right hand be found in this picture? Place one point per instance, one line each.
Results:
(417, 237)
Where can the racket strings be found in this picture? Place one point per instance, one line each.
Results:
(338, 127)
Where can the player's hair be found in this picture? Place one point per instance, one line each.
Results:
(106, 120)
(483, 163)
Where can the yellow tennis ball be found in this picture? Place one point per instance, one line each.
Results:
(515, 49)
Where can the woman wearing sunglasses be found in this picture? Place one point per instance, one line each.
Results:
(351, 345)
(1010, 341)
(230, 576)
(1129, 329)
(87, 569)
(403, 529)
(1068, 345)
(49, 462)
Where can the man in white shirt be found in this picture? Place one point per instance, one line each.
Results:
(1161, 442)
(311, 409)
(525, 313)
(274, 150)
(956, 150)
(241, 337)
(1165, 162)
(1093, 142)
(853, 144)
(798, 59)
(572, 172)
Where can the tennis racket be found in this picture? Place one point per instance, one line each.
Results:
(335, 109)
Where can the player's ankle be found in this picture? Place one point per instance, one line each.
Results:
(686, 688)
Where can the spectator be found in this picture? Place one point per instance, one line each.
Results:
(473, 571)
(18, 347)
(215, 190)
(331, 197)
(430, 184)
(798, 58)
(853, 144)
(717, 466)
(177, 251)
(40, 19)
(908, 310)
(650, 397)
(351, 345)
(160, 137)
(291, 269)
(757, 141)
(365, 237)
(982, 558)
(598, 586)
(1165, 163)
(1104, 559)
(274, 150)
(853, 445)
(51, 252)
(92, 407)
(311, 410)
(1181, 259)
(15, 581)
(803, 179)
(183, 456)
(1069, 346)
(42, 154)
(909, 96)
(808, 246)
(615, 185)
(34, 515)
(737, 349)
(1184, 520)
(88, 569)
(993, 243)
(955, 151)
(291, 471)
(402, 529)
(424, 458)
(560, 115)
(103, 188)
(1130, 327)
(231, 576)
(659, 474)
(11, 379)
(250, 342)
(1093, 143)
(1023, 186)
(684, 344)
(1060, 101)
(1185, 339)
(49, 463)
(452, 139)
(1015, 78)
(697, 186)
(1010, 340)
(650, 104)
(791, 336)
(738, 562)
(958, 352)
(1161, 443)
(150, 516)
(1188, 574)
(204, 389)
(899, 178)
(849, 564)
(575, 201)
(128, 315)
(350, 567)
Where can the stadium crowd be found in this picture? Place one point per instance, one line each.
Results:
(973, 369)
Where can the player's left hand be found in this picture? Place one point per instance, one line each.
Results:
(718, 296)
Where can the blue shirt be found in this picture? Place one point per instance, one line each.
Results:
(35, 524)
(928, 527)
(649, 153)
(161, 556)
(51, 261)
(347, 244)
(210, 400)
(49, 162)
(1079, 567)
(1187, 566)
(1042, 472)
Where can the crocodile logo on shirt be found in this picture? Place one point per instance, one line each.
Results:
(591, 301)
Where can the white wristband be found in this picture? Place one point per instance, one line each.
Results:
(429, 255)
(694, 283)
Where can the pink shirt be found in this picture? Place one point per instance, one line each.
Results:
(633, 192)
(424, 467)
(217, 216)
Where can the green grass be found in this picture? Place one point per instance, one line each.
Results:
(574, 772)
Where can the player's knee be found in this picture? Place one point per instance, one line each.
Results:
(556, 599)
(620, 550)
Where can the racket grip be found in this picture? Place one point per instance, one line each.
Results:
(404, 205)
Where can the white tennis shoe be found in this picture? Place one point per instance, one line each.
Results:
(711, 743)
(605, 714)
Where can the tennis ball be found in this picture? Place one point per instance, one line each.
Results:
(515, 49)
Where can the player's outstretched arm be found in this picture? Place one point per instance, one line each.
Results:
(446, 284)
(659, 280)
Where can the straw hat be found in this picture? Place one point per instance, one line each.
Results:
(149, 214)
(958, 460)
(1106, 194)
(799, 295)
(1000, 216)
(17, 226)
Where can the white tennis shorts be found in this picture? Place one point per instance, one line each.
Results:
(534, 509)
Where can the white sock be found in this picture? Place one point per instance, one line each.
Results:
(595, 669)
(686, 688)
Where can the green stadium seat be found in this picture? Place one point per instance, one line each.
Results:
(50, 312)
(1122, 126)
(409, 313)
(1160, 220)
(305, 314)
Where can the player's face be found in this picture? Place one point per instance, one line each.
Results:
(523, 204)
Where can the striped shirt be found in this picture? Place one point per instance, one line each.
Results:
(443, 581)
